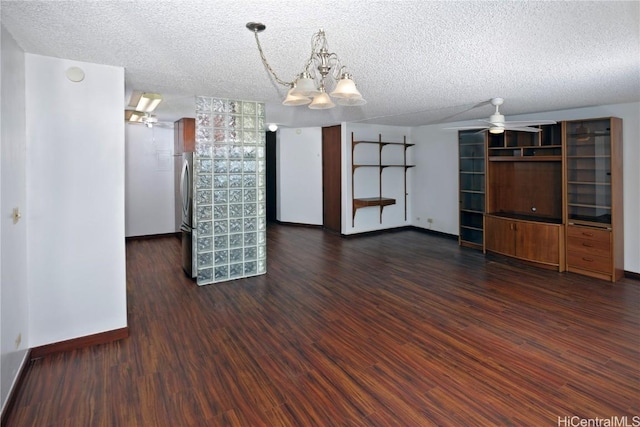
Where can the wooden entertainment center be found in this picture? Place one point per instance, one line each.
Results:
(552, 198)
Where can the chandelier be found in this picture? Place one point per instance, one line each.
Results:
(321, 70)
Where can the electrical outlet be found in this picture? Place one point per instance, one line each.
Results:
(18, 340)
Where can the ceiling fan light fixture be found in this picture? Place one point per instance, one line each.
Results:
(148, 102)
(496, 130)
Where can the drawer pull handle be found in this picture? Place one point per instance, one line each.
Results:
(587, 234)
(587, 259)
(587, 245)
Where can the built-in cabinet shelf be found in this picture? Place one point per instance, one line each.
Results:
(552, 198)
(377, 199)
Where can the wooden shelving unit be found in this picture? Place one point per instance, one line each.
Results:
(377, 200)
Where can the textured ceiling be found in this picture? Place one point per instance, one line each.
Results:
(416, 62)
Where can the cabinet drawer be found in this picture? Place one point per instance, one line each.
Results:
(589, 247)
(589, 233)
(588, 262)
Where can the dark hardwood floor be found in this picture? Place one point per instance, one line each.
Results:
(395, 329)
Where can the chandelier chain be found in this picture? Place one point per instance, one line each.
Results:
(267, 66)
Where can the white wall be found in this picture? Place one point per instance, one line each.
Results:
(14, 334)
(367, 180)
(149, 182)
(299, 175)
(75, 181)
(437, 183)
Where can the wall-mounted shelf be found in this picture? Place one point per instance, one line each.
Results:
(514, 146)
(378, 200)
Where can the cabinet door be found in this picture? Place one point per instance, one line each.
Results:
(538, 242)
(500, 235)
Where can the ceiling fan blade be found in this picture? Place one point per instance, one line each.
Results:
(468, 127)
(531, 123)
(508, 126)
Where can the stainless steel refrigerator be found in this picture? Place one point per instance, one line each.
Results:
(186, 228)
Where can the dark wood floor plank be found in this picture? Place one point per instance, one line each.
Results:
(394, 329)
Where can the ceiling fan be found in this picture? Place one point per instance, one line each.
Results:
(497, 124)
(147, 119)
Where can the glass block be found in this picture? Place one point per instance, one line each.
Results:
(221, 242)
(220, 227)
(220, 181)
(262, 138)
(260, 123)
(235, 211)
(233, 136)
(204, 149)
(220, 166)
(235, 225)
(203, 197)
(248, 122)
(235, 166)
(236, 152)
(205, 228)
(250, 195)
(260, 109)
(249, 108)
(262, 223)
(205, 275)
(203, 212)
(221, 257)
(219, 135)
(261, 209)
(235, 240)
(250, 239)
(203, 119)
(203, 103)
(221, 273)
(250, 209)
(233, 106)
(250, 253)
(218, 106)
(235, 181)
(204, 165)
(249, 180)
(262, 165)
(205, 259)
(219, 120)
(203, 135)
(262, 266)
(250, 138)
(235, 255)
(262, 194)
(249, 166)
(262, 180)
(220, 196)
(203, 181)
(235, 196)
(236, 270)
(250, 267)
(262, 252)
(233, 121)
(220, 151)
(220, 211)
(262, 237)
(205, 243)
(260, 152)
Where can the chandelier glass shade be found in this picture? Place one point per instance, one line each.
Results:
(321, 70)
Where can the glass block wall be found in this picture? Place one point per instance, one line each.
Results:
(229, 190)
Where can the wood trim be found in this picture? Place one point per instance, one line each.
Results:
(81, 342)
(298, 224)
(13, 393)
(152, 236)
(631, 275)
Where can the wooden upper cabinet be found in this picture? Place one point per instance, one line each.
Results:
(184, 136)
